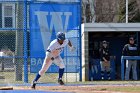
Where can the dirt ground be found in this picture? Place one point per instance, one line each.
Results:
(87, 88)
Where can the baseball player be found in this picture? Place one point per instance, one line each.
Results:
(105, 60)
(53, 55)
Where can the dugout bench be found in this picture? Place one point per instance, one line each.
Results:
(123, 58)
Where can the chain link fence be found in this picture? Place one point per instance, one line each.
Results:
(15, 44)
(11, 41)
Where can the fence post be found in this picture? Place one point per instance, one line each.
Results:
(80, 34)
(25, 43)
(19, 43)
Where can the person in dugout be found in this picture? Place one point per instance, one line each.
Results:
(131, 49)
(105, 60)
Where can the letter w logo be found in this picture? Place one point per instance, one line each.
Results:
(49, 20)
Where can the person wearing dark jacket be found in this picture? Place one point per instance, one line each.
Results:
(130, 49)
(105, 60)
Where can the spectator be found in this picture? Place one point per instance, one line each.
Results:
(130, 49)
(105, 60)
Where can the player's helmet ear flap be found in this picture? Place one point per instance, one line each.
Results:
(60, 36)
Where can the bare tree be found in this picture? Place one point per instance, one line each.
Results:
(138, 4)
(110, 11)
(134, 11)
(106, 10)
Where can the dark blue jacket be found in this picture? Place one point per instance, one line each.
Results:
(130, 50)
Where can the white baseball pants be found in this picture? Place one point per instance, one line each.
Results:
(48, 61)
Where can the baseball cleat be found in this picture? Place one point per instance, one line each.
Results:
(60, 82)
(33, 85)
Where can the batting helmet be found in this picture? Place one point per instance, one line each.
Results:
(60, 36)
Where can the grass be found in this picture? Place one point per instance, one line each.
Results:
(9, 78)
(52, 78)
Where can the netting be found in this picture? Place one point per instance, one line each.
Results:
(11, 42)
(22, 54)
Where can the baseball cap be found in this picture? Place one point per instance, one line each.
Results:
(104, 42)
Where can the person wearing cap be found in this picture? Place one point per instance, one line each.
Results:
(130, 49)
(105, 60)
(53, 56)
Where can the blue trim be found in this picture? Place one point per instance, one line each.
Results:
(25, 43)
(80, 41)
(12, 29)
(122, 63)
(11, 1)
(30, 22)
(44, 57)
(12, 57)
(51, 2)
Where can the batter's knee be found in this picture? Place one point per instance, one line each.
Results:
(62, 65)
(48, 54)
(41, 72)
